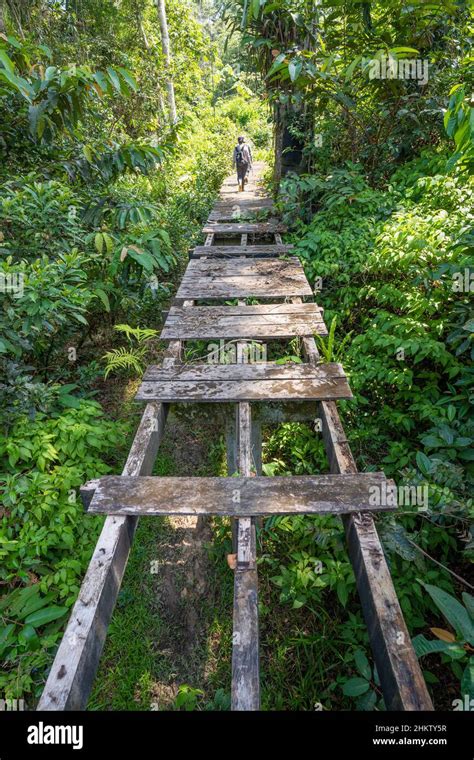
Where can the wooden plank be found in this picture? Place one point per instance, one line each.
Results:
(245, 691)
(245, 382)
(243, 203)
(246, 547)
(238, 496)
(290, 310)
(207, 373)
(230, 251)
(237, 228)
(236, 214)
(77, 659)
(401, 679)
(240, 390)
(261, 286)
(242, 267)
(239, 210)
(261, 321)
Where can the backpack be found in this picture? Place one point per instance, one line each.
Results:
(239, 154)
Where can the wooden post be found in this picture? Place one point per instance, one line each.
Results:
(401, 679)
(245, 656)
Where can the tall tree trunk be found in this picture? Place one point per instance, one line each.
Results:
(289, 147)
(279, 122)
(165, 44)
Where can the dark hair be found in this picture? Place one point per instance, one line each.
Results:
(240, 139)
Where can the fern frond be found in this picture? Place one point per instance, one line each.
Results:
(120, 359)
(140, 334)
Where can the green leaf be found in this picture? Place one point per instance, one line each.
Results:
(424, 464)
(362, 664)
(34, 603)
(6, 636)
(27, 634)
(7, 62)
(41, 617)
(468, 600)
(128, 78)
(351, 68)
(355, 687)
(101, 81)
(367, 701)
(432, 441)
(467, 681)
(294, 70)
(424, 646)
(453, 611)
(104, 298)
(114, 78)
(342, 592)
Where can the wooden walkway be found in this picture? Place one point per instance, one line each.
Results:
(242, 260)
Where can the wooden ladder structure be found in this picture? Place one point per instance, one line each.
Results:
(239, 261)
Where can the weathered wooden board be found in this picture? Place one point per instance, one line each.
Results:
(237, 496)
(235, 211)
(230, 251)
(261, 321)
(245, 692)
(245, 382)
(232, 215)
(401, 679)
(211, 279)
(243, 202)
(251, 228)
(195, 373)
(242, 267)
(228, 288)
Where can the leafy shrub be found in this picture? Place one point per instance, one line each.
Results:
(43, 463)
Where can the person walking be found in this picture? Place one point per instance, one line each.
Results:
(242, 161)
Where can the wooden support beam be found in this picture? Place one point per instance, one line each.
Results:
(245, 689)
(401, 679)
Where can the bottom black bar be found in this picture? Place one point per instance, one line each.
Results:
(85, 734)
